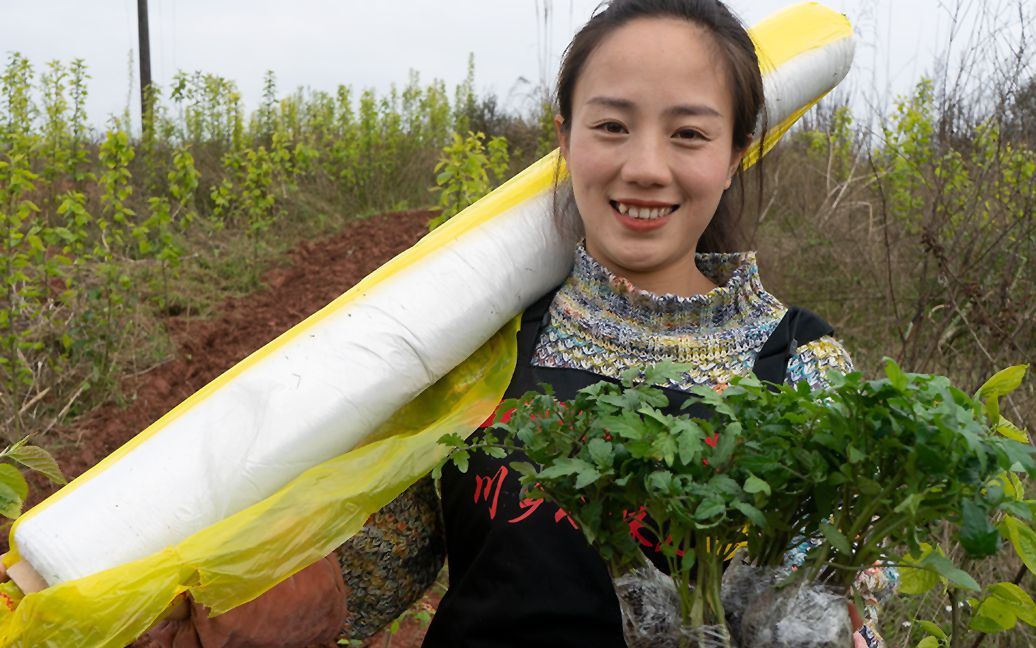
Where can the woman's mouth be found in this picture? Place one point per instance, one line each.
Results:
(642, 212)
(642, 217)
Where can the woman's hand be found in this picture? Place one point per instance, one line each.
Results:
(859, 641)
(179, 610)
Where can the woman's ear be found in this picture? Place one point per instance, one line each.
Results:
(562, 133)
(736, 155)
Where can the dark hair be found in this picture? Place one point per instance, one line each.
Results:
(743, 76)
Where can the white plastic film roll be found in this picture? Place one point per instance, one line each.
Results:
(317, 396)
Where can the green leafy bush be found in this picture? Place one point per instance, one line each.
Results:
(869, 467)
(467, 170)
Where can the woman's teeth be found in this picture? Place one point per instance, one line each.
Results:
(645, 213)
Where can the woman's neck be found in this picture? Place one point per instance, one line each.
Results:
(680, 280)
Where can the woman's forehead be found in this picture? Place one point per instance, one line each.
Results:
(659, 61)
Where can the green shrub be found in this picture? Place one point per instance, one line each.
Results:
(467, 170)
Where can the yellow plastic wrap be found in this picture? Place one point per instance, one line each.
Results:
(235, 560)
(792, 37)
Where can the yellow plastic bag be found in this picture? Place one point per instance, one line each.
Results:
(237, 559)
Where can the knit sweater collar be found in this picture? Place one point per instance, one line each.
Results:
(738, 298)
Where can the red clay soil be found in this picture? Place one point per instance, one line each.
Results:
(318, 272)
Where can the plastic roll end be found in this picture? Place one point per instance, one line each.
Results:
(26, 577)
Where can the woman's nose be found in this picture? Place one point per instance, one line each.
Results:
(646, 162)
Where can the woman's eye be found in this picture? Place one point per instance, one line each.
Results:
(688, 134)
(612, 128)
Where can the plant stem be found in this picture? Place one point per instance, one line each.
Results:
(955, 636)
(867, 514)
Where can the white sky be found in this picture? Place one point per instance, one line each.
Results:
(372, 43)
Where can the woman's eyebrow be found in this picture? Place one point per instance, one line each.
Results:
(679, 110)
(692, 110)
(611, 102)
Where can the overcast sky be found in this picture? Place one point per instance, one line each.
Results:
(372, 43)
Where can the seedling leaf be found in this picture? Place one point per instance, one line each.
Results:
(1023, 538)
(1003, 382)
(955, 575)
(39, 460)
(13, 479)
(836, 539)
(755, 485)
(932, 629)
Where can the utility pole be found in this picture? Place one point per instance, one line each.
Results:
(145, 68)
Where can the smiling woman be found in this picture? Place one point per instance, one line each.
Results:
(658, 101)
(651, 150)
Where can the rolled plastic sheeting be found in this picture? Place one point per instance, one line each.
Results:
(804, 51)
(315, 393)
(283, 457)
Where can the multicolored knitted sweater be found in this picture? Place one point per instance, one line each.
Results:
(600, 322)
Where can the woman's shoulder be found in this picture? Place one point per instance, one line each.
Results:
(814, 360)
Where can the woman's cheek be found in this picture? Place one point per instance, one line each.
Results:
(710, 181)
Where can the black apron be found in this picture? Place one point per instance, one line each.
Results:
(521, 573)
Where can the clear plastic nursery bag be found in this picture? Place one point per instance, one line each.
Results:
(651, 613)
(801, 615)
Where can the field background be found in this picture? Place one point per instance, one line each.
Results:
(137, 266)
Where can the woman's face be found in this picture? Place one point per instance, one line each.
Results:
(650, 149)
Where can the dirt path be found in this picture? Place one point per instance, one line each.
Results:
(319, 271)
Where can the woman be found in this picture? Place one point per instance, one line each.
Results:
(658, 101)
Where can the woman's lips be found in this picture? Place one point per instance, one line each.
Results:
(640, 224)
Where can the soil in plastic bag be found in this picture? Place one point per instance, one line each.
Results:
(651, 613)
(807, 615)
